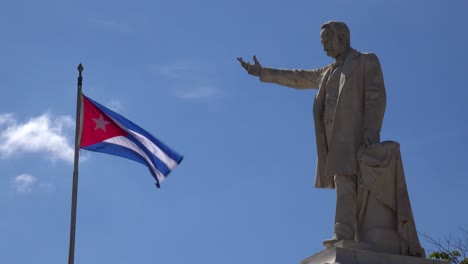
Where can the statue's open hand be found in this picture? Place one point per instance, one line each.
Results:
(255, 69)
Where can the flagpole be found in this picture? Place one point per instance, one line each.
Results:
(71, 252)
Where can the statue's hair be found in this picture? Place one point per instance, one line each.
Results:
(340, 28)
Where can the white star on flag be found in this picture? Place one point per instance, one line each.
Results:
(101, 123)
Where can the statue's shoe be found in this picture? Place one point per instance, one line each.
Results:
(328, 243)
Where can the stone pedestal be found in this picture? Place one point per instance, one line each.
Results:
(350, 252)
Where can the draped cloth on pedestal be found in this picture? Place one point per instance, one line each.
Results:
(382, 175)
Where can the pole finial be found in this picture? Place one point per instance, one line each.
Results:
(80, 68)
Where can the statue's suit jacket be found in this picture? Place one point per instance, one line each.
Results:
(360, 106)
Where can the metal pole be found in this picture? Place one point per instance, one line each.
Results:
(71, 252)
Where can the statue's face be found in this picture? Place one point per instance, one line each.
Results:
(331, 43)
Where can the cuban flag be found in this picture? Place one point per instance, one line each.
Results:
(103, 130)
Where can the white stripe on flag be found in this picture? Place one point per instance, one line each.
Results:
(161, 155)
(170, 163)
(125, 142)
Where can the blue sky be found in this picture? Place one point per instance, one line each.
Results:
(244, 192)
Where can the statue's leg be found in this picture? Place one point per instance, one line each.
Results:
(346, 202)
(345, 214)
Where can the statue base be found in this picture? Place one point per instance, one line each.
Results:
(350, 252)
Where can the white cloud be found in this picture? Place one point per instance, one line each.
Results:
(176, 70)
(115, 105)
(24, 183)
(6, 118)
(196, 93)
(189, 79)
(42, 134)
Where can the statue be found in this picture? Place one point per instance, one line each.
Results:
(348, 114)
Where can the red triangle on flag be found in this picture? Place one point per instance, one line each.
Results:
(97, 126)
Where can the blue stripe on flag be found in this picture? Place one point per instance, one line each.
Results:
(116, 150)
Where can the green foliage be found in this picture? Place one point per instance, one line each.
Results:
(453, 256)
(453, 251)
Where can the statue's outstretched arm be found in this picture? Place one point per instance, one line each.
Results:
(299, 79)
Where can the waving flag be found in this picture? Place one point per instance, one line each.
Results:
(105, 131)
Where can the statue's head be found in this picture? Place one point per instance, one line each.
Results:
(335, 38)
